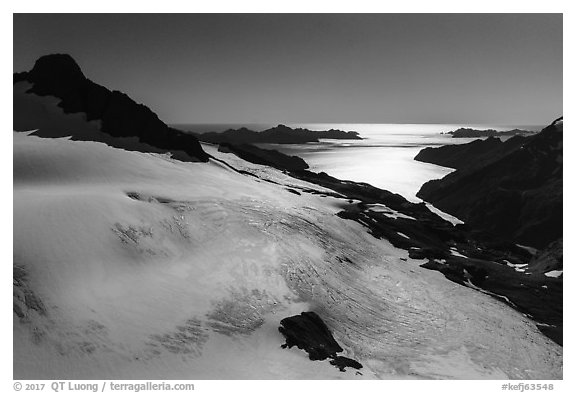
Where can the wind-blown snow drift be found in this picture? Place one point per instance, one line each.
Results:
(134, 265)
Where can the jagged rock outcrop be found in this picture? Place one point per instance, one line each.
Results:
(279, 134)
(308, 331)
(119, 116)
(515, 193)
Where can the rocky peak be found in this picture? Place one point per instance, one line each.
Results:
(558, 124)
(55, 74)
(57, 66)
(60, 76)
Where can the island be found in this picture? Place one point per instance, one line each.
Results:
(473, 133)
(280, 134)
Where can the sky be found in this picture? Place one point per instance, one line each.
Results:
(314, 68)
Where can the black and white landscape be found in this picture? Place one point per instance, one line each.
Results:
(148, 250)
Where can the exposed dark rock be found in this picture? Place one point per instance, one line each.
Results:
(308, 332)
(472, 133)
(293, 191)
(478, 152)
(279, 134)
(58, 75)
(342, 362)
(515, 194)
(268, 157)
(548, 259)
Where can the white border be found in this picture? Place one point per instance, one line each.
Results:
(420, 6)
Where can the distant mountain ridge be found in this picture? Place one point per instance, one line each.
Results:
(512, 189)
(476, 152)
(280, 134)
(473, 133)
(60, 76)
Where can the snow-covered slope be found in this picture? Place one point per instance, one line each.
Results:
(134, 265)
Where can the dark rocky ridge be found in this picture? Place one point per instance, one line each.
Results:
(515, 192)
(478, 152)
(60, 76)
(472, 133)
(279, 134)
(268, 157)
(308, 332)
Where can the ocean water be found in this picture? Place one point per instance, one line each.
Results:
(384, 158)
